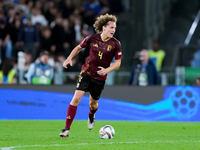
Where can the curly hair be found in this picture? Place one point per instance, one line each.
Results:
(103, 21)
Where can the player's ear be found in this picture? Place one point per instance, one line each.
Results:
(104, 27)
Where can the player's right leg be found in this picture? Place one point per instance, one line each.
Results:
(91, 116)
(71, 112)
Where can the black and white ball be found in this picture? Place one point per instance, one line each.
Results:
(106, 132)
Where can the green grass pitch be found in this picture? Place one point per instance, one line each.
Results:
(129, 135)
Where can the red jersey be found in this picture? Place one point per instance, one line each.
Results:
(100, 54)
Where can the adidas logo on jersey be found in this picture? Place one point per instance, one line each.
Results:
(96, 45)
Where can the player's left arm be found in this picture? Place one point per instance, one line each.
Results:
(114, 66)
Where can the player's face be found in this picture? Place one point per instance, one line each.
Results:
(109, 30)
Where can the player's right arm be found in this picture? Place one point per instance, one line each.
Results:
(74, 52)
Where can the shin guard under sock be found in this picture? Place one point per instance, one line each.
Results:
(71, 113)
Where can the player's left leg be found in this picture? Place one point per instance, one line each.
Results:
(91, 116)
(71, 112)
(93, 105)
(96, 87)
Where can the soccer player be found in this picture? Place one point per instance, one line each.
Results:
(103, 48)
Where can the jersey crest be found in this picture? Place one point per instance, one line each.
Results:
(109, 47)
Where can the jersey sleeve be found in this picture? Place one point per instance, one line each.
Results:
(85, 41)
(118, 53)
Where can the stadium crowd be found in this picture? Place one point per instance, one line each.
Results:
(55, 26)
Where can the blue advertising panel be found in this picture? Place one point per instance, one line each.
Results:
(179, 103)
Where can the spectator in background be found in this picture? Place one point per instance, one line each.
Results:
(21, 6)
(46, 41)
(65, 33)
(84, 32)
(28, 58)
(89, 18)
(51, 11)
(77, 27)
(14, 29)
(41, 72)
(69, 37)
(143, 72)
(7, 73)
(46, 44)
(2, 6)
(39, 4)
(37, 17)
(30, 4)
(5, 43)
(67, 7)
(91, 9)
(195, 62)
(157, 55)
(58, 35)
(198, 81)
(104, 6)
(97, 6)
(29, 38)
(11, 15)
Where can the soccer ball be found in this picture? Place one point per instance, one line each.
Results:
(106, 132)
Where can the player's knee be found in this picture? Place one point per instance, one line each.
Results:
(75, 101)
(93, 105)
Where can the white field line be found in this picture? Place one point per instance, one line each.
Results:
(58, 145)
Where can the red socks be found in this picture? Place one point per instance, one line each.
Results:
(71, 113)
(92, 112)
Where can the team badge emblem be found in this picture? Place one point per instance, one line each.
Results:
(109, 47)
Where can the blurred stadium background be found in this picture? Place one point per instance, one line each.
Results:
(31, 116)
(173, 22)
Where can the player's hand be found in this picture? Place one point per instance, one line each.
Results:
(102, 71)
(67, 62)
